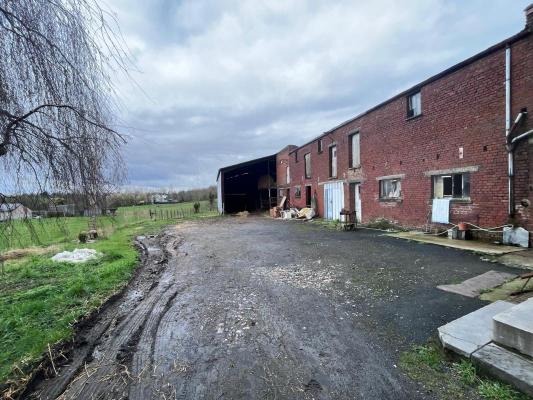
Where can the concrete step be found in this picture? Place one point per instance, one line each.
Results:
(473, 287)
(506, 365)
(514, 327)
(473, 331)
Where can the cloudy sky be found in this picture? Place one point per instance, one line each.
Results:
(224, 81)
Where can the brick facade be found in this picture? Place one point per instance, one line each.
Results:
(282, 162)
(461, 127)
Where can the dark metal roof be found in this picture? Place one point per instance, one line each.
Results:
(243, 164)
(452, 69)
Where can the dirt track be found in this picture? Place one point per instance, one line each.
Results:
(256, 308)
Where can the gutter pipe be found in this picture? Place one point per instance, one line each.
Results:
(511, 143)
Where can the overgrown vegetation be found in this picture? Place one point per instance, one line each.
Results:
(452, 379)
(40, 299)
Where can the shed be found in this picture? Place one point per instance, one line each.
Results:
(248, 186)
(10, 211)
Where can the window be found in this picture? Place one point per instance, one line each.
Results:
(390, 188)
(333, 161)
(298, 191)
(355, 156)
(455, 186)
(296, 156)
(414, 105)
(307, 160)
(319, 144)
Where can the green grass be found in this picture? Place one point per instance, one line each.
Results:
(40, 299)
(449, 379)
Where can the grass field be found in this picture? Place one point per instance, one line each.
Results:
(40, 299)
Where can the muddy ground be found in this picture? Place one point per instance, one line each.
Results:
(254, 308)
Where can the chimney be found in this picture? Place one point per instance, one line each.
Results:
(529, 17)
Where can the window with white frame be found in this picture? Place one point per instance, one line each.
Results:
(355, 153)
(288, 174)
(297, 191)
(319, 145)
(414, 105)
(307, 161)
(456, 186)
(390, 188)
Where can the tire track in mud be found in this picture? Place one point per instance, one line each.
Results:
(101, 366)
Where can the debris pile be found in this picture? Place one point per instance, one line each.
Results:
(281, 211)
(76, 256)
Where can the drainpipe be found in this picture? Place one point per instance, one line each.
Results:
(510, 158)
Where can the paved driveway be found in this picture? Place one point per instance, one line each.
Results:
(255, 308)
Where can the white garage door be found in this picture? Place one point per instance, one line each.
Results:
(333, 199)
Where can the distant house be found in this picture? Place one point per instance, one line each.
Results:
(159, 198)
(14, 211)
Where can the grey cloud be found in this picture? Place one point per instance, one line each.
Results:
(233, 80)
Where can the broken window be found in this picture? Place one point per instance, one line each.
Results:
(333, 161)
(319, 144)
(288, 174)
(298, 191)
(414, 105)
(307, 160)
(390, 188)
(456, 186)
(355, 156)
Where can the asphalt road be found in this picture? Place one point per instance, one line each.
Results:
(255, 308)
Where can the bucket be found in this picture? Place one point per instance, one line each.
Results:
(462, 226)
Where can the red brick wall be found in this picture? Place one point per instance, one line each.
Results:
(463, 109)
(282, 161)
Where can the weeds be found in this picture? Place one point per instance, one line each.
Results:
(498, 391)
(430, 365)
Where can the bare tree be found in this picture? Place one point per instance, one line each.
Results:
(57, 59)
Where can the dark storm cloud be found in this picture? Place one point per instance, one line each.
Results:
(226, 81)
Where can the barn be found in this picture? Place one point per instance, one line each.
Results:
(248, 186)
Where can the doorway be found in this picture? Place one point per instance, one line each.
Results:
(308, 196)
(357, 199)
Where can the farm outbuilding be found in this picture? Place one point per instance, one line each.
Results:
(248, 186)
(10, 211)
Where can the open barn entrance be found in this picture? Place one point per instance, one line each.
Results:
(249, 186)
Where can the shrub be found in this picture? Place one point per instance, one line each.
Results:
(196, 207)
(83, 236)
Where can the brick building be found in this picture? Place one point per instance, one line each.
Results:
(445, 139)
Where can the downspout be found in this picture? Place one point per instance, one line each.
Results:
(510, 157)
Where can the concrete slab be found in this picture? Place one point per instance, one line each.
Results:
(473, 287)
(473, 331)
(506, 365)
(514, 327)
(522, 259)
(470, 245)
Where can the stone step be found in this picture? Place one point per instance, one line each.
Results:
(514, 327)
(506, 365)
(473, 331)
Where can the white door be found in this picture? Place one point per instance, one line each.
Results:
(357, 188)
(333, 200)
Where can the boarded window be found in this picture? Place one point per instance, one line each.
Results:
(307, 160)
(414, 105)
(390, 188)
(333, 161)
(355, 154)
(298, 191)
(288, 174)
(456, 186)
